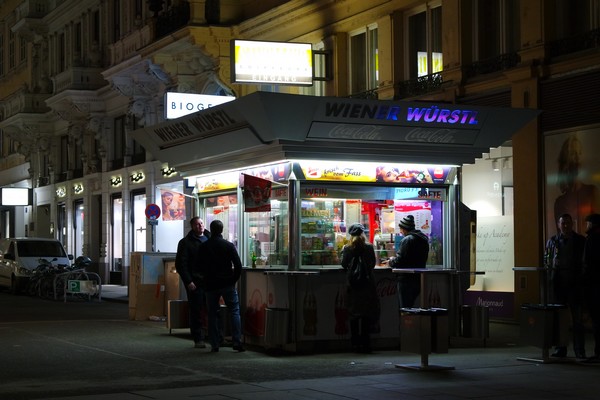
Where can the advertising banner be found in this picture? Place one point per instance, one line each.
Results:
(257, 194)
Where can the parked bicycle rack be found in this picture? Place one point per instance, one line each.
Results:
(78, 282)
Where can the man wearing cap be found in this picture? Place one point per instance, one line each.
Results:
(413, 253)
(591, 268)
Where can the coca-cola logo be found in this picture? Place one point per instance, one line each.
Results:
(431, 135)
(365, 132)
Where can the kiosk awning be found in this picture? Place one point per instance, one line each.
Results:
(265, 127)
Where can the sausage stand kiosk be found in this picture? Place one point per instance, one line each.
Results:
(288, 173)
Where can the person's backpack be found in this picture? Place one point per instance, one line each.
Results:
(358, 273)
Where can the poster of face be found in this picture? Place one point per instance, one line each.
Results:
(572, 177)
(173, 205)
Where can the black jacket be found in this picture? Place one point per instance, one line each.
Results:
(187, 261)
(413, 251)
(591, 259)
(221, 264)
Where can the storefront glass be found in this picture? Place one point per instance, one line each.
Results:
(225, 209)
(326, 216)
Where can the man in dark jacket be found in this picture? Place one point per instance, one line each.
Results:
(413, 253)
(222, 267)
(187, 263)
(564, 252)
(591, 265)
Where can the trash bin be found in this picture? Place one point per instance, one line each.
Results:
(424, 331)
(544, 325)
(277, 326)
(475, 321)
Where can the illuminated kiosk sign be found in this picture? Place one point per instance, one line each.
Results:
(276, 63)
(180, 104)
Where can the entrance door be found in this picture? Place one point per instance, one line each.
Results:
(116, 265)
(138, 209)
(78, 219)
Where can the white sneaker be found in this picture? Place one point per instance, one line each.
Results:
(200, 345)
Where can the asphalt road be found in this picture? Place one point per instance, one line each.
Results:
(50, 349)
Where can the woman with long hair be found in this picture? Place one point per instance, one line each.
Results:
(363, 303)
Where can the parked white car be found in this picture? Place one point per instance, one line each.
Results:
(20, 256)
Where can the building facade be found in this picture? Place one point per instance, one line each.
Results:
(77, 77)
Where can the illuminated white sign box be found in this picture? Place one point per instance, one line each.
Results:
(15, 196)
(275, 63)
(180, 104)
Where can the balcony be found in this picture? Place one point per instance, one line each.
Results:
(491, 65)
(585, 41)
(79, 78)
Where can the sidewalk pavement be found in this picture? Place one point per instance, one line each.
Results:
(496, 370)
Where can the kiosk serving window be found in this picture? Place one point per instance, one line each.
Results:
(268, 238)
(324, 219)
(225, 209)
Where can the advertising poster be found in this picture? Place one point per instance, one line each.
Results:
(257, 194)
(172, 205)
(349, 171)
(572, 177)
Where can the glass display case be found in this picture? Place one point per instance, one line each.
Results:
(322, 231)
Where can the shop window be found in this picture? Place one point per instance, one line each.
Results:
(497, 28)
(324, 222)
(61, 220)
(138, 220)
(267, 242)
(78, 234)
(117, 233)
(225, 209)
(364, 60)
(424, 37)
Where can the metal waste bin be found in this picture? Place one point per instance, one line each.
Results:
(544, 325)
(277, 327)
(424, 331)
(475, 321)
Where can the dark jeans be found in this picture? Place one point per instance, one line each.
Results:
(409, 287)
(573, 298)
(197, 307)
(230, 297)
(360, 328)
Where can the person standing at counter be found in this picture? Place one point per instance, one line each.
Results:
(187, 263)
(564, 255)
(222, 267)
(591, 265)
(363, 303)
(412, 253)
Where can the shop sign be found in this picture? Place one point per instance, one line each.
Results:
(277, 63)
(202, 125)
(349, 171)
(229, 180)
(397, 123)
(180, 104)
